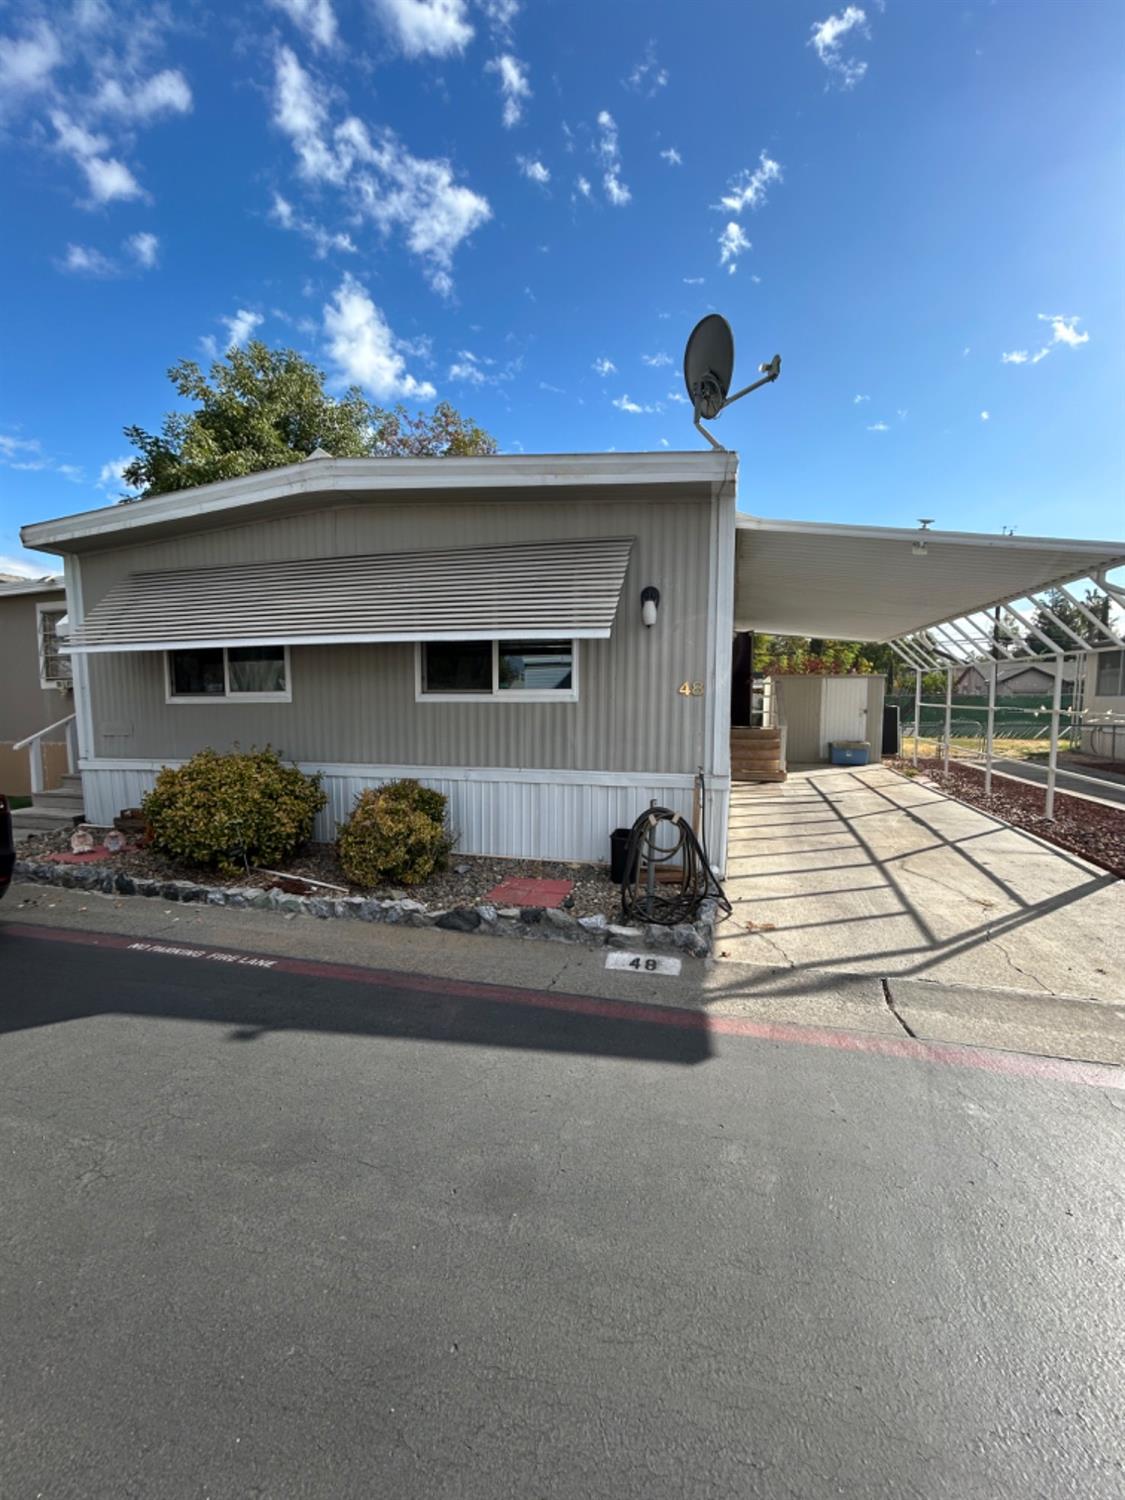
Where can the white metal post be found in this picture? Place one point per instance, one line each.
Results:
(71, 746)
(989, 728)
(35, 761)
(1053, 758)
(948, 716)
(917, 709)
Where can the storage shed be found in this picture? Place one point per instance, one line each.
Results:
(817, 709)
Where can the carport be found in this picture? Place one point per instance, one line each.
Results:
(866, 871)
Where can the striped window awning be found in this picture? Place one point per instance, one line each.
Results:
(533, 591)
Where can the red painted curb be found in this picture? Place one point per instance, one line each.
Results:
(1010, 1064)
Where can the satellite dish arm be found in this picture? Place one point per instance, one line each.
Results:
(770, 374)
(699, 427)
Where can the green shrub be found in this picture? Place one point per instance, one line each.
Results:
(223, 811)
(396, 835)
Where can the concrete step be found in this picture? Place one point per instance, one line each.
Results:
(72, 781)
(62, 799)
(29, 820)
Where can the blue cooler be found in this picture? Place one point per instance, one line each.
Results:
(849, 752)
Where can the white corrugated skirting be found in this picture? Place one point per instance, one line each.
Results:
(517, 814)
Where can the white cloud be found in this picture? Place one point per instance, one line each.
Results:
(693, 281)
(27, 62)
(678, 397)
(534, 170)
(827, 38)
(648, 77)
(378, 176)
(323, 240)
(656, 360)
(144, 248)
(514, 87)
(426, 28)
(985, 416)
(732, 243)
(22, 567)
(604, 367)
(664, 442)
(966, 350)
(583, 186)
(364, 349)
(672, 157)
(635, 408)
(84, 260)
(607, 149)
(748, 188)
(107, 178)
(878, 427)
(26, 454)
(165, 93)
(500, 13)
(111, 475)
(240, 327)
(856, 400)
(315, 18)
(1064, 330)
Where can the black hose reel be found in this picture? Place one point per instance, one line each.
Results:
(664, 841)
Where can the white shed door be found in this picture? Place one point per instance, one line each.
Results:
(843, 711)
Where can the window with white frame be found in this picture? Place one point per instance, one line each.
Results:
(498, 671)
(1111, 674)
(206, 674)
(54, 666)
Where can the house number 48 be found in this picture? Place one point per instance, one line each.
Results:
(690, 690)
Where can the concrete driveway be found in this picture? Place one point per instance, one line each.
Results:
(869, 872)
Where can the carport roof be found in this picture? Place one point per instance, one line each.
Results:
(865, 583)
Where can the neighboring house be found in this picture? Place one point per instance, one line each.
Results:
(1103, 731)
(1013, 679)
(487, 625)
(34, 680)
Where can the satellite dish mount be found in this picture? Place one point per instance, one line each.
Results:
(709, 369)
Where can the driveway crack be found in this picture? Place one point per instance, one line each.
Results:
(888, 998)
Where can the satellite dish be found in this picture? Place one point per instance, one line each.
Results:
(709, 369)
(709, 364)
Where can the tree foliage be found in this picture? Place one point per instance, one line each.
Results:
(1060, 604)
(260, 408)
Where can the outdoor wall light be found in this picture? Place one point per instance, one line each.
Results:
(650, 603)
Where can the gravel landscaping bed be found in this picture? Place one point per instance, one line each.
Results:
(466, 882)
(1089, 829)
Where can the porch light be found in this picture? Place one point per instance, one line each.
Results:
(650, 603)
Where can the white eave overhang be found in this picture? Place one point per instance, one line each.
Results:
(342, 481)
(867, 583)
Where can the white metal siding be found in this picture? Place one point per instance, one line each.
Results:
(843, 710)
(355, 703)
(554, 816)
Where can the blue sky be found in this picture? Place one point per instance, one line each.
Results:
(523, 208)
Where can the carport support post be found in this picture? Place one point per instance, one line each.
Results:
(917, 709)
(1053, 758)
(989, 728)
(948, 717)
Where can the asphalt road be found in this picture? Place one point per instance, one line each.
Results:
(273, 1235)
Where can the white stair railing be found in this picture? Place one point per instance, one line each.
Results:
(32, 744)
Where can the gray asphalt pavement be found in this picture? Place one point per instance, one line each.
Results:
(289, 1235)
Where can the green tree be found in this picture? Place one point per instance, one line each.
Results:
(1060, 605)
(260, 408)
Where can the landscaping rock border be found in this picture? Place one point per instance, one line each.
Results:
(541, 923)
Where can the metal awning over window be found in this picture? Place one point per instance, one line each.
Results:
(537, 590)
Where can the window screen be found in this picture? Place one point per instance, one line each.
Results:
(457, 667)
(536, 666)
(1110, 674)
(197, 673)
(53, 666)
(256, 669)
